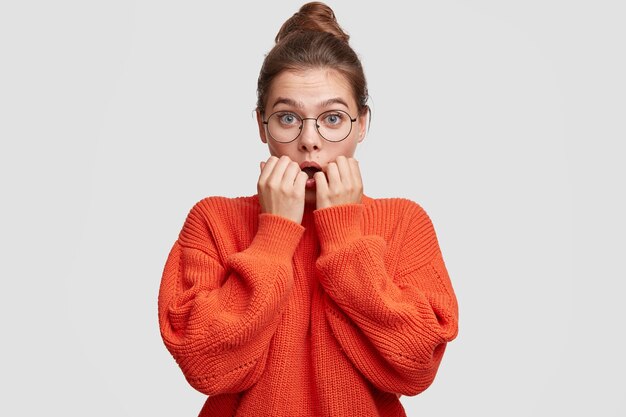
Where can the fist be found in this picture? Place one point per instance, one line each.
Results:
(281, 188)
(344, 184)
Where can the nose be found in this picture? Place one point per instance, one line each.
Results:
(309, 138)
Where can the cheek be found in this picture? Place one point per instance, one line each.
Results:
(278, 150)
(274, 149)
(349, 147)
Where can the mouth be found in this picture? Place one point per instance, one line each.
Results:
(310, 168)
(310, 171)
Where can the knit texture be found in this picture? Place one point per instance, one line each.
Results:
(336, 316)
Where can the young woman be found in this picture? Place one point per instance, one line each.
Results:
(308, 298)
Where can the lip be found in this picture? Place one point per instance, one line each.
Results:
(308, 164)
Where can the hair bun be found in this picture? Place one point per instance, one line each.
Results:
(314, 16)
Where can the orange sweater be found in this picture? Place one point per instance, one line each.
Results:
(335, 316)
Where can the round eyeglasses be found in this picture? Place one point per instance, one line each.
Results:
(333, 125)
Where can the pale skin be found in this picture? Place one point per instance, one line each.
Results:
(282, 184)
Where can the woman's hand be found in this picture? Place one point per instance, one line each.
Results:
(281, 188)
(344, 185)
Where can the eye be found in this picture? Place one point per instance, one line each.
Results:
(288, 119)
(333, 119)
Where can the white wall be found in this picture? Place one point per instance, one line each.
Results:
(504, 120)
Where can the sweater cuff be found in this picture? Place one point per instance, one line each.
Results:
(338, 225)
(277, 237)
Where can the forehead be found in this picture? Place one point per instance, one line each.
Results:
(311, 89)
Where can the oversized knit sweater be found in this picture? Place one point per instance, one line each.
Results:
(336, 316)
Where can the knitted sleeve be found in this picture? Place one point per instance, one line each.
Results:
(393, 326)
(217, 317)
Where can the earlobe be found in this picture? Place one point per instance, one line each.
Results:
(259, 119)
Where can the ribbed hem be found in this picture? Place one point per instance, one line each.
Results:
(276, 237)
(338, 225)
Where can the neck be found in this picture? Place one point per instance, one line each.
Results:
(309, 207)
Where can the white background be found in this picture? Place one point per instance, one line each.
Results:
(504, 120)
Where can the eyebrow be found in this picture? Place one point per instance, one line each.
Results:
(300, 105)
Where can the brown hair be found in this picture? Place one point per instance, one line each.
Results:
(312, 38)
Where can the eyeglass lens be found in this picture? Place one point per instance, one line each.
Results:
(286, 126)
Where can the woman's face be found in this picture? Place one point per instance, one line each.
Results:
(309, 93)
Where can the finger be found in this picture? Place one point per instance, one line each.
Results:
(279, 169)
(300, 182)
(345, 173)
(356, 170)
(262, 165)
(333, 174)
(291, 172)
(321, 185)
(268, 167)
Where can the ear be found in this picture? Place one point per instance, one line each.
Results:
(363, 118)
(259, 119)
